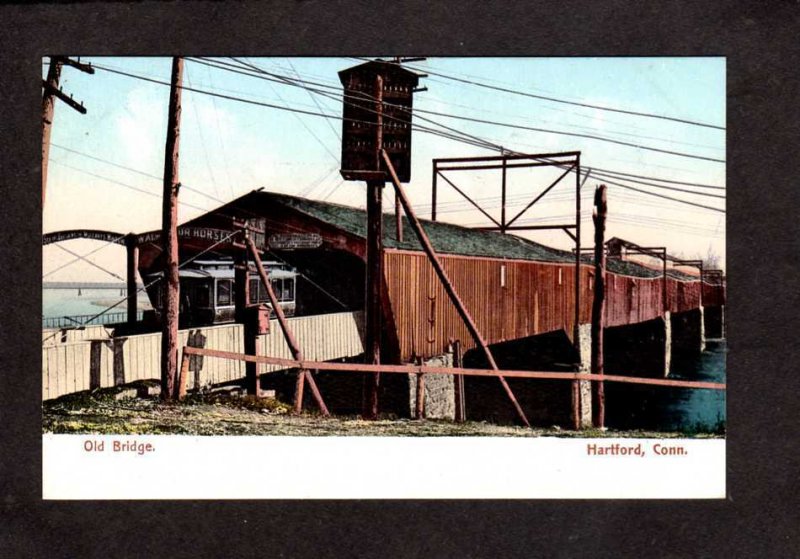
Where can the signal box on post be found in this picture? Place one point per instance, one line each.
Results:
(360, 157)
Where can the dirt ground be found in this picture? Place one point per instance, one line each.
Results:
(113, 411)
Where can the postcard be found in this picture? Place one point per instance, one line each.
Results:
(383, 277)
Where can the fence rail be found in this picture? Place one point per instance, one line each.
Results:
(83, 319)
(424, 369)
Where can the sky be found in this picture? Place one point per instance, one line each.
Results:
(106, 166)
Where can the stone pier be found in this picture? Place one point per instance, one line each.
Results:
(584, 347)
(640, 350)
(440, 394)
(688, 331)
(714, 318)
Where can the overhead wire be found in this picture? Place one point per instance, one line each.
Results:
(564, 101)
(202, 139)
(417, 111)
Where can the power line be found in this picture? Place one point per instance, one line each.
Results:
(662, 196)
(620, 174)
(278, 107)
(366, 96)
(202, 140)
(114, 181)
(113, 164)
(473, 140)
(219, 135)
(575, 134)
(575, 103)
(478, 142)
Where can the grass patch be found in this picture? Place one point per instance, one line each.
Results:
(99, 412)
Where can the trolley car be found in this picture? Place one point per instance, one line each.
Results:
(207, 291)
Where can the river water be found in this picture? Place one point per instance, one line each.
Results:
(661, 408)
(67, 302)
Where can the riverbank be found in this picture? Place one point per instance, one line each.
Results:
(113, 411)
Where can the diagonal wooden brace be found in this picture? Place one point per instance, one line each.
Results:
(448, 286)
(303, 375)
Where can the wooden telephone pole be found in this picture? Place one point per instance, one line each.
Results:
(374, 273)
(169, 240)
(51, 91)
(598, 305)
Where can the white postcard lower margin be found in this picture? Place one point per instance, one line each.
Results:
(186, 467)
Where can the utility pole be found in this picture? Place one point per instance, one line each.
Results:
(169, 240)
(598, 305)
(51, 91)
(374, 264)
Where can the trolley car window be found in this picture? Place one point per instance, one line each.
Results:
(283, 288)
(224, 293)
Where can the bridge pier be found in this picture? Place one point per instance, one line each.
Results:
(584, 347)
(643, 349)
(439, 391)
(714, 318)
(688, 331)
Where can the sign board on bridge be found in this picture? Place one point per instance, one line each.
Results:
(197, 233)
(107, 236)
(294, 241)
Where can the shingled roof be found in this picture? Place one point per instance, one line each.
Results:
(452, 239)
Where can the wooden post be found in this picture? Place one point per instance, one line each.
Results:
(433, 190)
(51, 92)
(576, 388)
(48, 112)
(503, 198)
(241, 290)
(665, 283)
(398, 215)
(133, 265)
(458, 380)
(297, 354)
(374, 275)
(599, 218)
(184, 376)
(169, 240)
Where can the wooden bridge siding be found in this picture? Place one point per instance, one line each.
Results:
(630, 300)
(682, 295)
(713, 295)
(534, 300)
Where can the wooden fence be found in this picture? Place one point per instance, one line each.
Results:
(84, 363)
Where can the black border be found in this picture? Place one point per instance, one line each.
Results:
(760, 515)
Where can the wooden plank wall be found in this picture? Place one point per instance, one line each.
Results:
(55, 336)
(321, 338)
(537, 298)
(67, 367)
(713, 295)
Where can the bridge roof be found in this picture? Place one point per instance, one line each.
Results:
(446, 238)
(449, 238)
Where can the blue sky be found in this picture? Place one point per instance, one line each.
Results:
(229, 148)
